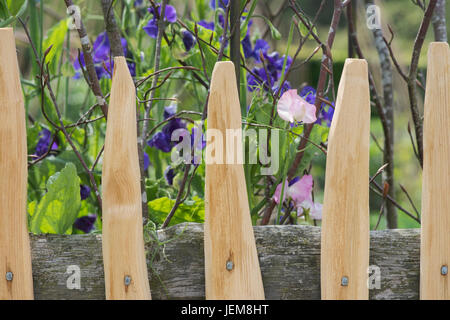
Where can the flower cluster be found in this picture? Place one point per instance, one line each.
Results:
(269, 72)
(170, 15)
(86, 223)
(101, 57)
(44, 143)
(162, 140)
(298, 192)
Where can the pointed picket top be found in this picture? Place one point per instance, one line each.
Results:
(16, 280)
(231, 261)
(345, 224)
(123, 242)
(435, 239)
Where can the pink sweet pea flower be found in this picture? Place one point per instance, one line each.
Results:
(301, 190)
(315, 209)
(291, 107)
(277, 194)
(298, 192)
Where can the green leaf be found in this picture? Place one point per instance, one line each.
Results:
(189, 211)
(10, 10)
(55, 38)
(17, 7)
(273, 31)
(58, 209)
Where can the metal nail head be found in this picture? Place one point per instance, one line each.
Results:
(127, 280)
(9, 276)
(230, 265)
(344, 281)
(444, 270)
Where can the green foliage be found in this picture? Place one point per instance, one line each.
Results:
(189, 211)
(55, 38)
(57, 210)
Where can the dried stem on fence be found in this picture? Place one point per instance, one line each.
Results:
(412, 77)
(388, 110)
(93, 82)
(112, 30)
(439, 22)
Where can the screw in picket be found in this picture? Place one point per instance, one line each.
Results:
(127, 280)
(230, 265)
(444, 270)
(344, 281)
(9, 276)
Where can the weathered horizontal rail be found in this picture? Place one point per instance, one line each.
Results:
(289, 257)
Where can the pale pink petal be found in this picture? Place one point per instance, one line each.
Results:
(301, 190)
(284, 105)
(310, 113)
(298, 108)
(316, 211)
(277, 194)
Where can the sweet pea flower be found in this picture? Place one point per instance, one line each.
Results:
(170, 15)
(299, 191)
(86, 223)
(315, 209)
(291, 107)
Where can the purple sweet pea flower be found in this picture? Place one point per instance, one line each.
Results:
(188, 39)
(206, 25)
(261, 45)
(85, 191)
(146, 161)
(170, 15)
(152, 28)
(160, 141)
(169, 174)
(222, 4)
(101, 57)
(86, 223)
(44, 142)
(247, 47)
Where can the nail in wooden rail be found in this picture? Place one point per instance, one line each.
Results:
(345, 224)
(123, 243)
(231, 261)
(16, 280)
(435, 239)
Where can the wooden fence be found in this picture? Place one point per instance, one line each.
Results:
(230, 259)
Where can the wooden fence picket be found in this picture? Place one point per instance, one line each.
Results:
(231, 261)
(345, 224)
(435, 237)
(123, 243)
(16, 280)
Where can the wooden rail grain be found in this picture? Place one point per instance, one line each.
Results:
(289, 257)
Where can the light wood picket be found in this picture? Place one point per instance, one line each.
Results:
(345, 224)
(435, 242)
(231, 261)
(123, 242)
(15, 258)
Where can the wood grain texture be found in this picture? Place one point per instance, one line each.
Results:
(345, 236)
(435, 246)
(15, 253)
(123, 245)
(289, 257)
(228, 228)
